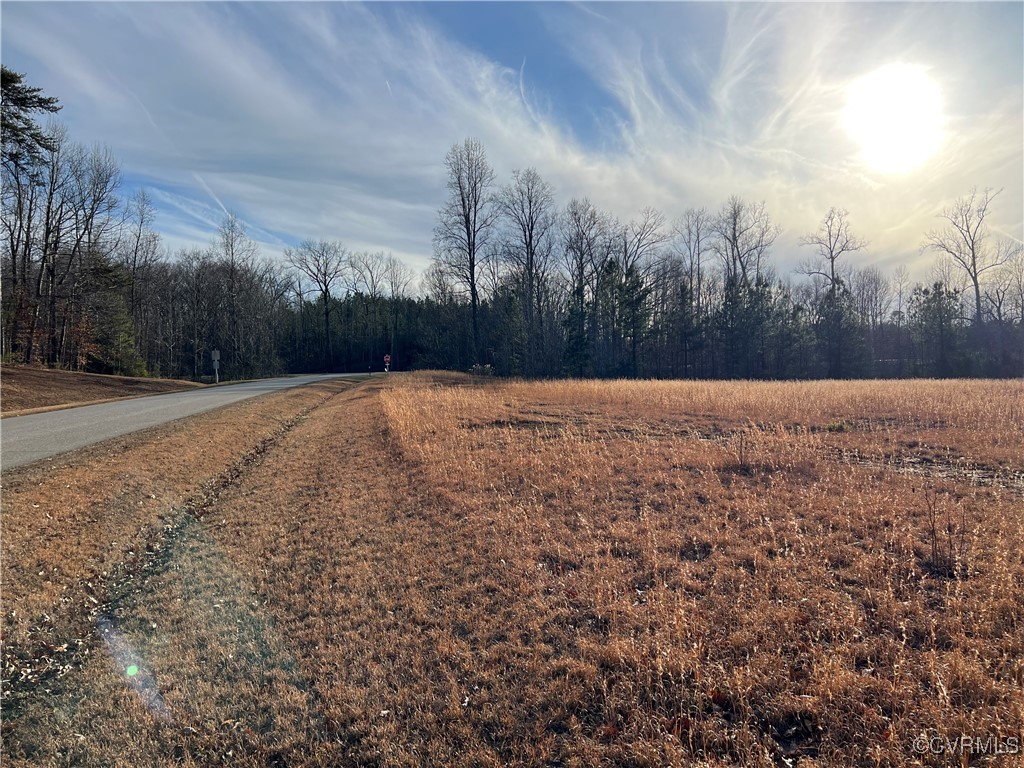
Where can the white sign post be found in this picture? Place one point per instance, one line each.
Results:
(215, 355)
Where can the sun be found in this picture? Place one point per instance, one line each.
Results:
(895, 113)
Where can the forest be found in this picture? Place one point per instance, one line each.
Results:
(521, 284)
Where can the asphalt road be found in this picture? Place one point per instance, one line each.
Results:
(25, 439)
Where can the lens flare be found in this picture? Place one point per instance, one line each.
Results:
(126, 659)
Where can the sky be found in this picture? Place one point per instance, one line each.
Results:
(332, 120)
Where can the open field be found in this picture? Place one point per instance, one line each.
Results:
(23, 388)
(432, 570)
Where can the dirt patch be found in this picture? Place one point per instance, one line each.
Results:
(24, 389)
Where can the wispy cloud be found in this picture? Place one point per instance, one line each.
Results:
(332, 120)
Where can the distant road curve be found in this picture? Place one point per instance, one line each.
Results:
(25, 439)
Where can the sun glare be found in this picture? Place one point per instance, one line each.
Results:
(895, 113)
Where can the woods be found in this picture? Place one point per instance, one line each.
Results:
(519, 282)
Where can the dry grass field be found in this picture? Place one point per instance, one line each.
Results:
(747, 573)
(434, 570)
(24, 388)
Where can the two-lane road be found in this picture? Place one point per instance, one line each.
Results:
(24, 439)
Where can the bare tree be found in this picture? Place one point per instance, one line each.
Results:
(398, 276)
(586, 246)
(872, 295)
(493, 269)
(1005, 285)
(22, 200)
(397, 279)
(437, 284)
(195, 266)
(587, 243)
(325, 263)
(368, 277)
(367, 273)
(139, 250)
(82, 230)
(901, 291)
(693, 233)
(963, 238)
(238, 251)
(832, 239)
(743, 235)
(466, 221)
(528, 205)
(945, 271)
(873, 298)
(1015, 268)
(641, 239)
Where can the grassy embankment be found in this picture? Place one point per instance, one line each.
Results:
(23, 388)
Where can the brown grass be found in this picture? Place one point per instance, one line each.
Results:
(418, 573)
(755, 573)
(78, 531)
(24, 388)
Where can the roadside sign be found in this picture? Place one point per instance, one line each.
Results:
(215, 355)
(387, 358)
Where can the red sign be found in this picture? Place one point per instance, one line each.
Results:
(387, 358)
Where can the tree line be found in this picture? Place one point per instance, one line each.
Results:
(572, 290)
(518, 285)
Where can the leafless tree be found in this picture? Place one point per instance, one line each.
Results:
(367, 273)
(1004, 293)
(832, 239)
(397, 279)
(398, 276)
(693, 234)
(945, 271)
(368, 276)
(196, 266)
(238, 252)
(493, 268)
(437, 284)
(743, 235)
(325, 263)
(901, 292)
(586, 243)
(641, 238)
(23, 200)
(1015, 267)
(139, 250)
(81, 229)
(872, 295)
(528, 207)
(963, 240)
(466, 221)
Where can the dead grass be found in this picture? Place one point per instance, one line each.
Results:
(745, 581)
(423, 573)
(77, 528)
(25, 388)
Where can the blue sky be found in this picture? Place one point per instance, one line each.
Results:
(331, 120)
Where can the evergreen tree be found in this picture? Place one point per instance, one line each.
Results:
(23, 140)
